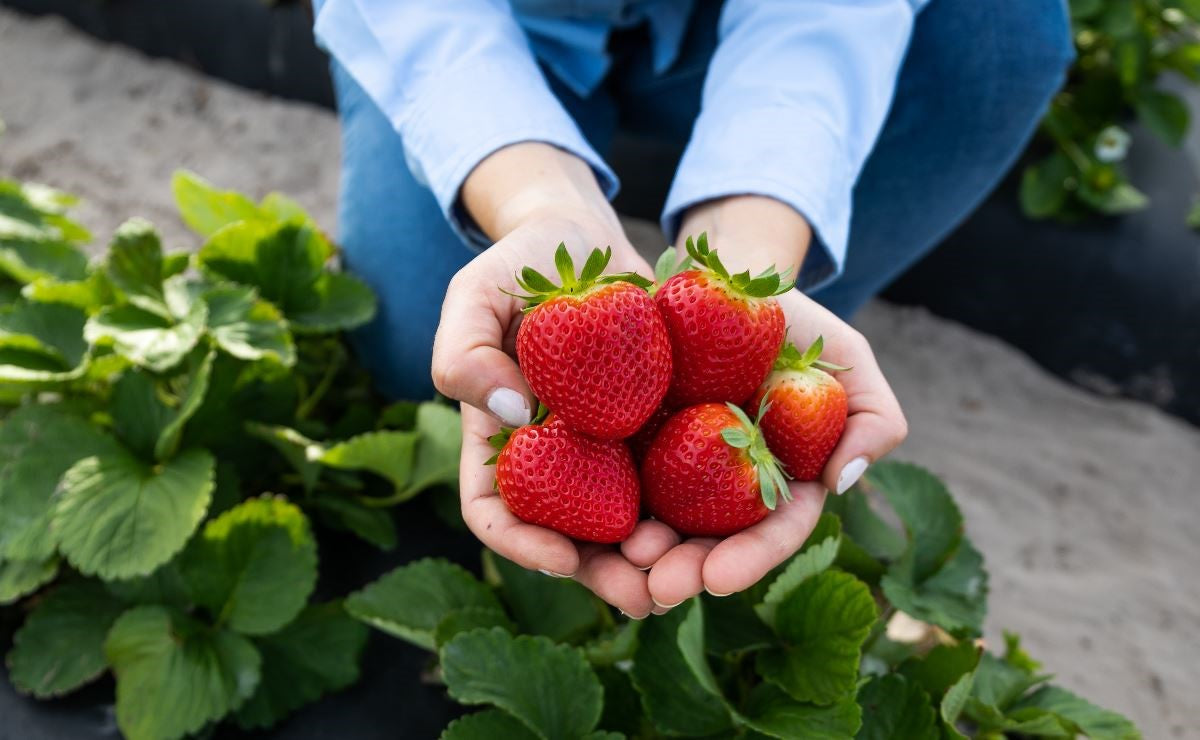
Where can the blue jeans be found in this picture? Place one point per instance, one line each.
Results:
(976, 80)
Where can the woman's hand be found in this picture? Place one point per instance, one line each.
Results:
(528, 197)
(753, 232)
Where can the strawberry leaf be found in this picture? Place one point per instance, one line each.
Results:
(147, 339)
(1080, 714)
(19, 578)
(207, 209)
(388, 454)
(815, 558)
(135, 263)
(558, 608)
(41, 342)
(893, 707)
(487, 725)
(246, 327)
(775, 714)
(548, 687)
(471, 618)
(61, 645)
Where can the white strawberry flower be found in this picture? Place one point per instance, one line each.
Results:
(1112, 144)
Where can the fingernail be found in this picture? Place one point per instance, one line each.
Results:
(648, 567)
(665, 607)
(713, 593)
(851, 473)
(627, 614)
(552, 574)
(660, 610)
(509, 406)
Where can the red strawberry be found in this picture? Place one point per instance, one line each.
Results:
(594, 350)
(552, 476)
(806, 410)
(725, 329)
(709, 473)
(640, 441)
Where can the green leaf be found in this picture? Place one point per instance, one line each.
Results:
(254, 566)
(135, 263)
(314, 655)
(1044, 186)
(164, 587)
(613, 645)
(439, 447)
(41, 342)
(26, 260)
(691, 646)
(89, 295)
(893, 707)
(549, 687)
(773, 713)
(956, 698)
(929, 514)
(942, 667)
(139, 415)
(246, 327)
(410, 601)
(336, 302)
(823, 622)
(145, 338)
(675, 700)
(279, 207)
(175, 675)
(954, 598)
(21, 577)
(61, 645)
(283, 261)
(1084, 9)
(388, 454)
(558, 608)
(622, 704)
(1118, 19)
(37, 445)
(117, 517)
(1163, 113)
(862, 525)
(489, 724)
(375, 525)
(204, 208)
(1117, 200)
(733, 627)
(470, 618)
(201, 363)
(1096, 723)
(815, 558)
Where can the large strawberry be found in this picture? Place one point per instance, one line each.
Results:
(806, 413)
(640, 441)
(550, 475)
(595, 349)
(725, 329)
(709, 473)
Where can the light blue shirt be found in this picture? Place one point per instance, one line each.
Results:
(795, 96)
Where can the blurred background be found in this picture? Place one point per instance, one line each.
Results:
(1047, 354)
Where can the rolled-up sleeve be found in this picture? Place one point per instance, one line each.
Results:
(457, 80)
(795, 97)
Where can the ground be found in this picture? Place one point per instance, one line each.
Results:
(1085, 508)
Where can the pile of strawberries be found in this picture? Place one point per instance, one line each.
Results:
(645, 389)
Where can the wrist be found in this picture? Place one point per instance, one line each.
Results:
(751, 232)
(531, 181)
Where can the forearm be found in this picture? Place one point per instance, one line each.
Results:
(751, 232)
(530, 180)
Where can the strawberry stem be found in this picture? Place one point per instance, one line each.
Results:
(772, 482)
(791, 358)
(767, 283)
(539, 288)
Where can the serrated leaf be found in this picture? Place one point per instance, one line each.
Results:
(470, 618)
(1163, 113)
(690, 638)
(893, 708)
(410, 601)
(1096, 723)
(283, 261)
(135, 261)
(439, 447)
(999, 684)
(314, 655)
(954, 598)
(956, 698)
(489, 724)
(558, 608)
(613, 645)
(862, 525)
(41, 342)
(815, 558)
(139, 415)
(37, 445)
(199, 372)
(1044, 185)
(731, 626)
(19, 578)
(174, 674)
(388, 454)
(246, 327)
(254, 566)
(279, 207)
(929, 514)
(336, 302)
(549, 687)
(26, 260)
(116, 517)
(773, 713)
(206, 209)
(675, 700)
(823, 623)
(164, 587)
(373, 524)
(147, 339)
(61, 645)
(89, 294)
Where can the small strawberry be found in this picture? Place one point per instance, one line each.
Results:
(595, 349)
(549, 475)
(807, 410)
(709, 473)
(725, 329)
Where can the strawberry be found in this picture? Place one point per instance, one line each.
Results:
(595, 349)
(725, 329)
(640, 441)
(552, 476)
(807, 410)
(709, 473)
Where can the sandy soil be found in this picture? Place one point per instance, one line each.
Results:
(1086, 509)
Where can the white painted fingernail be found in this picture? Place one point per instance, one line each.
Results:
(509, 406)
(714, 593)
(552, 574)
(851, 473)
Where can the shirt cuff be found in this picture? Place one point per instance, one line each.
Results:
(467, 114)
(781, 153)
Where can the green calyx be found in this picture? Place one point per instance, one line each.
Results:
(539, 288)
(500, 438)
(791, 358)
(772, 482)
(767, 283)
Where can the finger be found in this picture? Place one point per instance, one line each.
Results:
(469, 362)
(875, 424)
(740, 561)
(485, 514)
(676, 577)
(613, 578)
(650, 541)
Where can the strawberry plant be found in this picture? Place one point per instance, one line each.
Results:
(870, 631)
(176, 431)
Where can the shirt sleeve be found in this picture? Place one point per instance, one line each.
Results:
(457, 80)
(796, 94)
